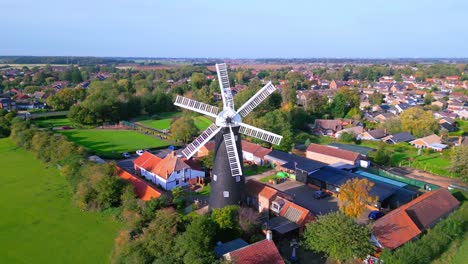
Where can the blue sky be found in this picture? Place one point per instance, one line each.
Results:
(236, 28)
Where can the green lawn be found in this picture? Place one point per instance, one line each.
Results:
(164, 120)
(107, 142)
(267, 178)
(53, 122)
(462, 128)
(250, 170)
(38, 222)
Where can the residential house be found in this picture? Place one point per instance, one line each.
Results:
(456, 105)
(291, 218)
(463, 114)
(410, 220)
(169, 172)
(398, 137)
(383, 116)
(261, 196)
(356, 130)
(254, 152)
(375, 134)
(7, 104)
(401, 107)
(364, 151)
(440, 103)
(332, 155)
(264, 251)
(224, 248)
(433, 142)
(337, 84)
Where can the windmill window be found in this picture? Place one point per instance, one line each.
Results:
(215, 177)
(237, 178)
(226, 194)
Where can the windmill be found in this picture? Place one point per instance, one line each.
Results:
(227, 180)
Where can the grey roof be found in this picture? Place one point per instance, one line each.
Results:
(354, 148)
(377, 133)
(227, 247)
(282, 225)
(402, 137)
(292, 162)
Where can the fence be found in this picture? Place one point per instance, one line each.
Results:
(413, 182)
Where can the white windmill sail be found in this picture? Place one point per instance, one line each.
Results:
(201, 140)
(260, 134)
(223, 78)
(257, 99)
(233, 155)
(196, 106)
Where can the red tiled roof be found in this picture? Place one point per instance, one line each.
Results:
(333, 152)
(264, 251)
(256, 150)
(257, 188)
(305, 215)
(406, 222)
(147, 161)
(143, 189)
(168, 165)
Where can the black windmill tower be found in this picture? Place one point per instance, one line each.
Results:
(227, 181)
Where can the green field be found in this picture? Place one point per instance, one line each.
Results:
(38, 222)
(108, 142)
(164, 121)
(53, 122)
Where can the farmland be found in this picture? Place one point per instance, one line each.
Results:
(39, 224)
(109, 143)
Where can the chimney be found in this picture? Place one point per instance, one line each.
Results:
(172, 154)
(460, 139)
(269, 235)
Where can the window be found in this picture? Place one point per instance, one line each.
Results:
(177, 182)
(178, 171)
(185, 179)
(215, 177)
(226, 194)
(237, 178)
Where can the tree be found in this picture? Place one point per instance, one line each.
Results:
(226, 217)
(428, 98)
(208, 160)
(183, 129)
(382, 156)
(195, 245)
(315, 103)
(376, 98)
(418, 122)
(338, 107)
(249, 221)
(338, 236)
(459, 161)
(178, 197)
(354, 197)
(391, 125)
(197, 80)
(354, 113)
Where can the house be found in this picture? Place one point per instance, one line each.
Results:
(445, 126)
(364, 151)
(331, 155)
(440, 103)
(383, 116)
(463, 114)
(433, 142)
(402, 107)
(144, 190)
(264, 251)
(457, 105)
(337, 84)
(254, 152)
(298, 167)
(291, 217)
(408, 221)
(398, 137)
(375, 134)
(206, 149)
(356, 130)
(260, 196)
(7, 104)
(330, 126)
(223, 248)
(169, 172)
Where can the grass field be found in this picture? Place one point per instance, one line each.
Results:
(38, 222)
(53, 122)
(164, 121)
(108, 142)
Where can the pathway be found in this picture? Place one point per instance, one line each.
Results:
(425, 176)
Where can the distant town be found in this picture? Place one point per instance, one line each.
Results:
(346, 160)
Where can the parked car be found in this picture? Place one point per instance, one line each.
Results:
(320, 195)
(374, 215)
(140, 152)
(126, 155)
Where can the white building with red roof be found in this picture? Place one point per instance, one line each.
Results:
(169, 172)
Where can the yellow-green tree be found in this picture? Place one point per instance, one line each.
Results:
(418, 122)
(354, 196)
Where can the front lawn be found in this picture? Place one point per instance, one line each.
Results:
(39, 223)
(267, 178)
(112, 142)
(250, 170)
